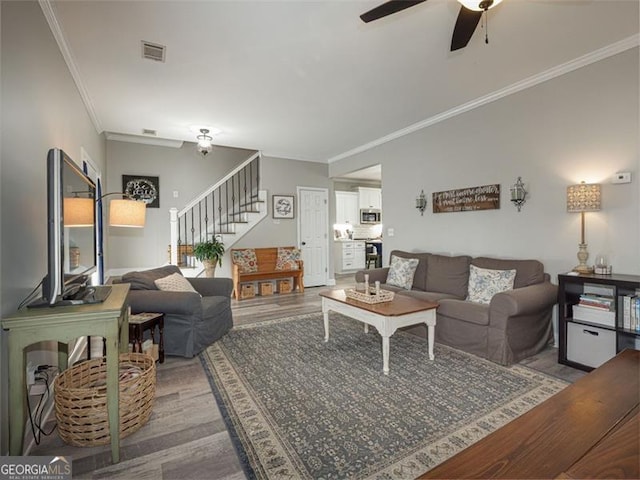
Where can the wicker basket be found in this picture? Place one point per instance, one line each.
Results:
(81, 399)
(384, 296)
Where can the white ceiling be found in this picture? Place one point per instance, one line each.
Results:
(369, 174)
(308, 79)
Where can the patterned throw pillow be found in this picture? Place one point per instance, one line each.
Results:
(246, 260)
(287, 259)
(174, 283)
(401, 272)
(485, 283)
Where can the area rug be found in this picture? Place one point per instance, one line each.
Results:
(300, 408)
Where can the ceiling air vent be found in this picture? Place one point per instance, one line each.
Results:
(147, 131)
(153, 51)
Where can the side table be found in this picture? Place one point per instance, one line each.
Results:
(64, 324)
(140, 322)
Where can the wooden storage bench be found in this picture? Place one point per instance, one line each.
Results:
(263, 263)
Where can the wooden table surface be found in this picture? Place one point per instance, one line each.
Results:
(588, 430)
(400, 305)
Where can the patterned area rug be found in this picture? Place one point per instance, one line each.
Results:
(301, 408)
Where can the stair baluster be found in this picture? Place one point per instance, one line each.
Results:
(207, 216)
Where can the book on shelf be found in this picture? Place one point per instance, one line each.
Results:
(626, 311)
(631, 312)
(597, 301)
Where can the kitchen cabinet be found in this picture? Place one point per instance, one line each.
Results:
(370, 198)
(349, 256)
(347, 210)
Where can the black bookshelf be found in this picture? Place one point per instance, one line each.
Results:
(601, 340)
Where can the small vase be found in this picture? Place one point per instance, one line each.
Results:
(209, 268)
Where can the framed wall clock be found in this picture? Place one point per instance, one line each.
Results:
(143, 188)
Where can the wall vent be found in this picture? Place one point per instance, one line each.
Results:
(147, 131)
(153, 51)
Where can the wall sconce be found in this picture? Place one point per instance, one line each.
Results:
(583, 198)
(421, 202)
(518, 194)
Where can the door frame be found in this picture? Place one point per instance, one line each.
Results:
(326, 226)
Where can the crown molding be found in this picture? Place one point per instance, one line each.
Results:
(562, 69)
(160, 142)
(56, 29)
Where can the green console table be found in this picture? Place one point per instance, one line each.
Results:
(64, 324)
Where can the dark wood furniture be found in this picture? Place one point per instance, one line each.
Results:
(266, 260)
(588, 430)
(140, 322)
(569, 291)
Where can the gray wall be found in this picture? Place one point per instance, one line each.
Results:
(179, 169)
(280, 176)
(580, 126)
(41, 109)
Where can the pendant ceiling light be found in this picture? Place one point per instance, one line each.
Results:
(479, 5)
(204, 142)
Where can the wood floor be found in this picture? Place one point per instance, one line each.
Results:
(186, 437)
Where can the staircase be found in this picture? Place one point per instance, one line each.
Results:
(228, 210)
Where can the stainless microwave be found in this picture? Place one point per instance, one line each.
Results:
(368, 216)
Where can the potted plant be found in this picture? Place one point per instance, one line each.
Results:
(209, 253)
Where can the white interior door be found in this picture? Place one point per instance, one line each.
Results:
(313, 228)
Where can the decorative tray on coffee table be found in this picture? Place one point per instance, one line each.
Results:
(383, 296)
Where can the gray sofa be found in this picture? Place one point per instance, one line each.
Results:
(514, 325)
(192, 321)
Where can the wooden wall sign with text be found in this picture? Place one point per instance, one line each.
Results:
(486, 197)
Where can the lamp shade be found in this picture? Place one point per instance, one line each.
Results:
(127, 213)
(78, 212)
(583, 197)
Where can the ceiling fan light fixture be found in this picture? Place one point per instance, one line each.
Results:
(479, 5)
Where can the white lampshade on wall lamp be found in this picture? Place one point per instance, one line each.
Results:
(581, 198)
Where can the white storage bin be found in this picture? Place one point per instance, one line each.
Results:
(591, 346)
(594, 315)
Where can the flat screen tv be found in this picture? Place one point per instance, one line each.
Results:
(71, 227)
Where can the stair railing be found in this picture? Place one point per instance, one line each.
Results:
(215, 211)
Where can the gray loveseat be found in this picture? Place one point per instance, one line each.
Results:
(192, 322)
(514, 325)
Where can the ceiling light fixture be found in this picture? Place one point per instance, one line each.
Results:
(479, 5)
(204, 142)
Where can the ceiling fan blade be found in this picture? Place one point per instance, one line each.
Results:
(465, 26)
(388, 8)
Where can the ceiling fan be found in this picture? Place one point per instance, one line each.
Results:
(470, 13)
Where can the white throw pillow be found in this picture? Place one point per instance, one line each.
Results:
(401, 272)
(485, 283)
(175, 283)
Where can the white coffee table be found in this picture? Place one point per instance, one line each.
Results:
(387, 317)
